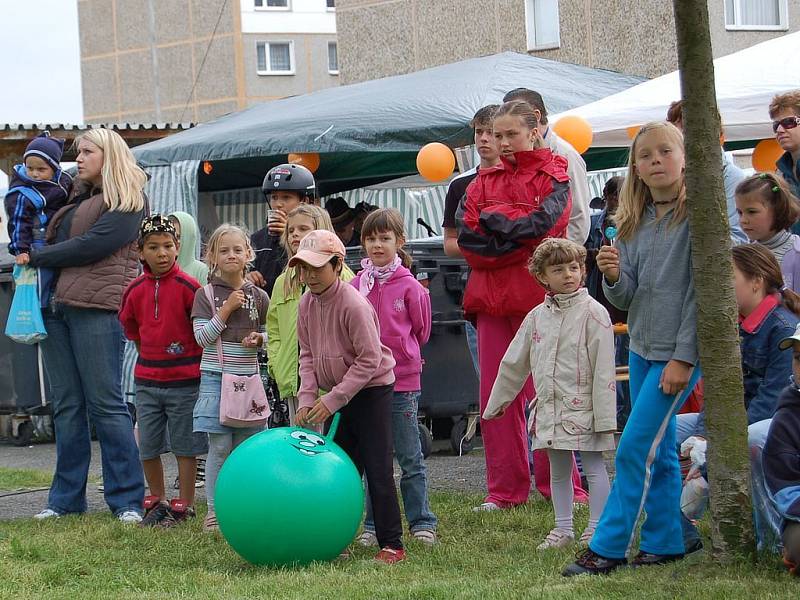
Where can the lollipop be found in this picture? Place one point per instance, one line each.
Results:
(611, 233)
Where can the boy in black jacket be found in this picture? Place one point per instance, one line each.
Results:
(781, 459)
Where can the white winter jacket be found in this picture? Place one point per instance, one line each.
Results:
(567, 345)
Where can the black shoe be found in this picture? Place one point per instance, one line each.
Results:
(695, 547)
(177, 512)
(591, 563)
(155, 511)
(645, 559)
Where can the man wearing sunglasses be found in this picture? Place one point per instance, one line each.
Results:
(784, 110)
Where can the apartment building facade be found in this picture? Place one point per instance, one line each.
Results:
(193, 60)
(378, 38)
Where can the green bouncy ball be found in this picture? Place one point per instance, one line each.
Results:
(288, 496)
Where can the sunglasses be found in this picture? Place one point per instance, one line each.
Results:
(787, 123)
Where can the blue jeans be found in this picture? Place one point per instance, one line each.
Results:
(414, 478)
(83, 356)
(621, 351)
(472, 344)
(766, 518)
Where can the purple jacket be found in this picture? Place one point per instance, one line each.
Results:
(404, 313)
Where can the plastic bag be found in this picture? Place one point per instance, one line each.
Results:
(25, 324)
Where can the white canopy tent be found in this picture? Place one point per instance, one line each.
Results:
(745, 82)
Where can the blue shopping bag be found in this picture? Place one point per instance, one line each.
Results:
(25, 324)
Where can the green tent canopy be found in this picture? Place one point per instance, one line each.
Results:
(371, 131)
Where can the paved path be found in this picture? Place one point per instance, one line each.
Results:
(445, 472)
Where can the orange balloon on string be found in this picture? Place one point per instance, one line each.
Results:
(310, 160)
(576, 130)
(435, 161)
(766, 154)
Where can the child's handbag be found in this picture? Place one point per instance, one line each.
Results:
(243, 401)
(25, 323)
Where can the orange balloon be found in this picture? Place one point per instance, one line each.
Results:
(310, 160)
(633, 130)
(575, 130)
(435, 162)
(766, 154)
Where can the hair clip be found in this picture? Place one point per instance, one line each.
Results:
(763, 175)
(775, 189)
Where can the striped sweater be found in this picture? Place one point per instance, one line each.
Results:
(208, 327)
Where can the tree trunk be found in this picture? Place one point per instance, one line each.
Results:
(717, 323)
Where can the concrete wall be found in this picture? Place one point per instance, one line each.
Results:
(378, 38)
(140, 58)
(310, 67)
(308, 16)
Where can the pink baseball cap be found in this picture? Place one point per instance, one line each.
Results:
(317, 248)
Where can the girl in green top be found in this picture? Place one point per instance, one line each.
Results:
(282, 349)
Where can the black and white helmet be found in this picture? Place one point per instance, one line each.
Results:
(289, 177)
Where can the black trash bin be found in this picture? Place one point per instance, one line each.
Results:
(21, 394)
(449, 380)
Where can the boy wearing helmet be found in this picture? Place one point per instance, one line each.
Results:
(285, 187)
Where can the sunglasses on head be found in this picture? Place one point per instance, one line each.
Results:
(787, 123)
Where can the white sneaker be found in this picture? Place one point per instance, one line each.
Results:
(47, 513)
(557, 538)
(130, 517)
(486, 507)
(367, 539)
(426, 536)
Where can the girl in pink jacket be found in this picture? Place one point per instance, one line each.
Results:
(403, 307)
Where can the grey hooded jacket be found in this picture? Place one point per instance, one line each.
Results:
(656, 287)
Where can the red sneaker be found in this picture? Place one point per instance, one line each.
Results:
(179, 511)
(390, 555)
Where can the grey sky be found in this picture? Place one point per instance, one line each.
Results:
(40, 62)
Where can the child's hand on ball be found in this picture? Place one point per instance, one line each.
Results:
(318, 414)
(301, 416)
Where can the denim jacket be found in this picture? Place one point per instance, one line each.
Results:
(765, 368)
(790, 169)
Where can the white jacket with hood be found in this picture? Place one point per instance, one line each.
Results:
(567, 345)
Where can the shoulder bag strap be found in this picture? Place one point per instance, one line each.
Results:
(209, 290)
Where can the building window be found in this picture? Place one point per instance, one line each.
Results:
(272, 5)
(330, 4)
(275, 58)
(756, 15)
(333, 59)
(541, 24)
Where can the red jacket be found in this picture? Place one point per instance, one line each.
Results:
(507, 211)
(156, 313)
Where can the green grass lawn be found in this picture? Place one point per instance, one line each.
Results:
(19, 479)
(489, 555)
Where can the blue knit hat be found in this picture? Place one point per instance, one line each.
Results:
(45, 147)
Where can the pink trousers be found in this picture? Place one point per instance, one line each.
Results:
(505, 440)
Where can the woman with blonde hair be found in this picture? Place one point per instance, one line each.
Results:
(93, 249)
